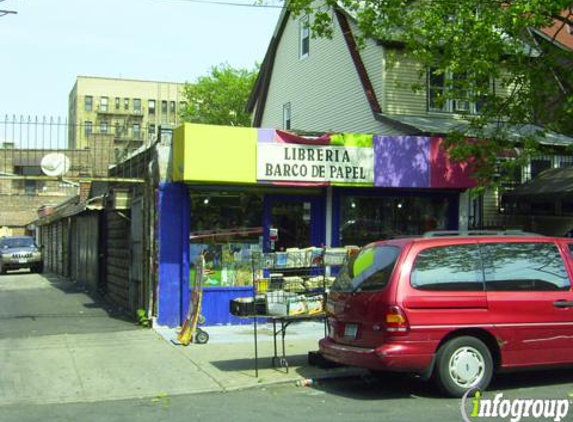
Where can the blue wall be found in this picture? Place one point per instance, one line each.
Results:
(215, 307)
(173, 236)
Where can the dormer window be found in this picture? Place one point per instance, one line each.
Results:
(304, 37)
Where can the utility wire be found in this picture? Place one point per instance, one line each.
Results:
(6, 12)
(226, 3)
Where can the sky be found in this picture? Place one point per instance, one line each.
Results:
(48, 43)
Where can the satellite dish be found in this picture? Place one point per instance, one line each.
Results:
(55, 164)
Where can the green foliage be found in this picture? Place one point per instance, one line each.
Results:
(142, 318)
(220, 98)
(479, 41)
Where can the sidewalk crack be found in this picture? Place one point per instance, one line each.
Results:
(71, 352)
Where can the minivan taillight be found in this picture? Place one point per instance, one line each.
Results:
(396, 321)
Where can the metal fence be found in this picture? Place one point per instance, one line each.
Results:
(54, 149)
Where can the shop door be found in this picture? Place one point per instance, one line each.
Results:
(298, 220)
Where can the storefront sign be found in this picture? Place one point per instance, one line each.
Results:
(314, 163)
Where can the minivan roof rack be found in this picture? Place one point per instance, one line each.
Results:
(512, 232)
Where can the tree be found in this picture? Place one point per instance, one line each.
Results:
(219, 98)
(474, 42)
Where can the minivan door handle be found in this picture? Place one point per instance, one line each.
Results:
(563, 304)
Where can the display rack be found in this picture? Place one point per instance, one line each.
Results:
(288, 287)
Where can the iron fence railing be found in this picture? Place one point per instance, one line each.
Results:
(53, 148)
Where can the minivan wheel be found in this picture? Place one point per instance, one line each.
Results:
(462, 364)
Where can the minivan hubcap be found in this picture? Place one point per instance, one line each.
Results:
(466, 367)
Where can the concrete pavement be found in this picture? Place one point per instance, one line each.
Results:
(229, 357)
(57, 345)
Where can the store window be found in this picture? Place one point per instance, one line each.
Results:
(226, 229)
(365, 219)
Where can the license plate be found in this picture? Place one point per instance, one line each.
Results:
(350, 330)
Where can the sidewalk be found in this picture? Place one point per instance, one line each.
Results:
(59, 345)
(229, 356)
(140, 363)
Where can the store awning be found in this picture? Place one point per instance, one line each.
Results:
(551, 184)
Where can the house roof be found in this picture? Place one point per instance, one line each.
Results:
(260, 90)
(549, 184)
(409, 124)
(438, 125)
(559, 33)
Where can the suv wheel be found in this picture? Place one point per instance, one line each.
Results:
(462, 364)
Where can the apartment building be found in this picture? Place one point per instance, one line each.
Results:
(129, 110)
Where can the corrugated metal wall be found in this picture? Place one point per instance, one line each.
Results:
(137, 292)
(84, 256)
(56, 247)
(118, 258)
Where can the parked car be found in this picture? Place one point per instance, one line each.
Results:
(454, 308)
(20, 252)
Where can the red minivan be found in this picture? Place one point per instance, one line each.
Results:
(454, 308)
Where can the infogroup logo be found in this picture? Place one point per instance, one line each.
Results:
(475, 407)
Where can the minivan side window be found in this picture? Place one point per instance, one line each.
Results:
(516, 267)
(370, 270)
(448, 268)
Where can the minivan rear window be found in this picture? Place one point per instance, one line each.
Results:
(451, 268)
(370, 270)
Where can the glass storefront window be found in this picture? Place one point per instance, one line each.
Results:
(366, 219)
(226, 229)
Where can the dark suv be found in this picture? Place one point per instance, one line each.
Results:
(20, 252)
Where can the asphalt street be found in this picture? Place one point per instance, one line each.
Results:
(357, 399)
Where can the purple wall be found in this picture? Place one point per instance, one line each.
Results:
(402, 161)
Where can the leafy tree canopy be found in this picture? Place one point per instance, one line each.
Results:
(475, 42)
(220, 98)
